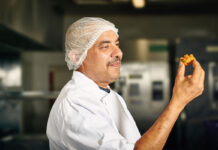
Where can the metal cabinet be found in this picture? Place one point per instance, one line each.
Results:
(145, 88)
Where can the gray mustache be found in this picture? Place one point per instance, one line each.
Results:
(116, 59)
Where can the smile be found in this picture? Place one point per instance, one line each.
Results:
(115, 64)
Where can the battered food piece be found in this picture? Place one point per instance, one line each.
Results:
(187, 59)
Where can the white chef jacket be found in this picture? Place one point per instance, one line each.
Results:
(85, 117)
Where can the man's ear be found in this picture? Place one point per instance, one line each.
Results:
(73, 57)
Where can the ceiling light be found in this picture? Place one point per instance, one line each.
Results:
(138, 3)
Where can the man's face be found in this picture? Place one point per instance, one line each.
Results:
(103, 60)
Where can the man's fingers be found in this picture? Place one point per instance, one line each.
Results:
(181, 70)
(202, 76)
(189, 76)
(198, 75)
(197, 70)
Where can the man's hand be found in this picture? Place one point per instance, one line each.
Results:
(186, 88)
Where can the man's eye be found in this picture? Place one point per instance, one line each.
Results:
(105, 46)
(118, 44)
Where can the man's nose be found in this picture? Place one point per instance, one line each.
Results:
(117, 52)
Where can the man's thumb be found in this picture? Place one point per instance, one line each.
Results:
(181, 70)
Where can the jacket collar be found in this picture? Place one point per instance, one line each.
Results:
(88, 85)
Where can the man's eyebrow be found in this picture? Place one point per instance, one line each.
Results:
(103, 42)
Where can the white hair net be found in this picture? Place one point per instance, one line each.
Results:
(80, 37)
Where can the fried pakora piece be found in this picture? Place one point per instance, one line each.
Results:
(187, 59)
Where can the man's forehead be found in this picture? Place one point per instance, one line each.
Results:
(108, 36)
(109, 32)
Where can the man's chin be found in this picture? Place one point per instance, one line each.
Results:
(115, 75)
(114, 72)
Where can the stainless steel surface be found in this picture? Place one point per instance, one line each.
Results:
(24, 142)
(11, 116)
(34, 19)
(42, 73)
(28, 95)
(145, 50)
(10, 110)
(10, 72)
(145, 88)
(212, 81)
(13, 107)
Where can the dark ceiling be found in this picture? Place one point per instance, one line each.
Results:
(13, 41)
(126, 7)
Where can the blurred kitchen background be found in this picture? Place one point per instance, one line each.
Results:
(153, 35)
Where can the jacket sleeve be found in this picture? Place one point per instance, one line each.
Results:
(83, 130)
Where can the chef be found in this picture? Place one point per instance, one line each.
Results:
(89, 115)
